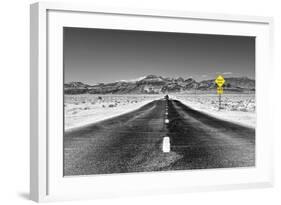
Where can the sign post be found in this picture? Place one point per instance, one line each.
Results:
(220, 82)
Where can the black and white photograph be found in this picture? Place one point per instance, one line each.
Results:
(147, 101)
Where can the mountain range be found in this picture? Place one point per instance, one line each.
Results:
(153, 84)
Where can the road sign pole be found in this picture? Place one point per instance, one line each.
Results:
(219, 101)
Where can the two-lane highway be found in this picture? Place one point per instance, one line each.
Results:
(133, 142)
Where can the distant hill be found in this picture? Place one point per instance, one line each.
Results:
(153, 84)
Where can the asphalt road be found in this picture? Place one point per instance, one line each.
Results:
(133, 142)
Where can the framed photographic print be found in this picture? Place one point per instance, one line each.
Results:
(129, 101)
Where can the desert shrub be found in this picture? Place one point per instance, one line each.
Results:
(243, 109)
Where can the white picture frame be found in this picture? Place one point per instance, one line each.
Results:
(46, 180)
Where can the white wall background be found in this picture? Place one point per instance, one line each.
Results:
(14, 101)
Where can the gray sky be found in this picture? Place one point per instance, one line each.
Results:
(98, 55)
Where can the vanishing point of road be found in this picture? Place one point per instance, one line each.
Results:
(132, 142)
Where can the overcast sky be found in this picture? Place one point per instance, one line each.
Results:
(98, 55)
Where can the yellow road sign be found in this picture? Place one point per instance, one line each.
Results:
(220, 90)
(220, 81)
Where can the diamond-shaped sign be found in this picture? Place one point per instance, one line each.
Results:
(220, 81)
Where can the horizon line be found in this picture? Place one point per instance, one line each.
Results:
(134, 80)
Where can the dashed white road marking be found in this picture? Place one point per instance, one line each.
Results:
(166, 144)
(166, 147)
